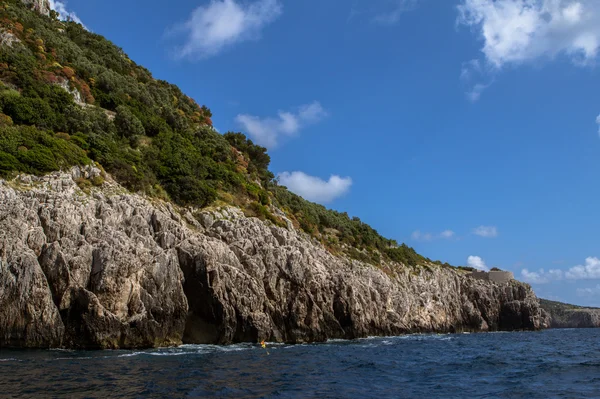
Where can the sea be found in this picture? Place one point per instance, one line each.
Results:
(546, 364)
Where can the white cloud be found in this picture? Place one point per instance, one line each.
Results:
(315, 189)
(598, 122)
(477, 263)
(533, 277)
(516, 32)
(63, 13)
(486, 231)
(267, 131)
(541, 276)
(589, 271)
(521, 31)
(420, 236)
(447, 234)
(222, 23)
(588, 292)
(555, 274)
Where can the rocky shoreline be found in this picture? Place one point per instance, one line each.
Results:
(104, 268)
(563, 315)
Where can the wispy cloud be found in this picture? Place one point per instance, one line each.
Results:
(477, 263)
(588, 292)
(598, 123)
(423, 236)
(381, 12)
(447, 234)
(63, 13)
(516, 32)
(419, 236)
(353, 11)
(268, 131)
(486, 231)
(220, 24)
(472, 72)
(394, 11)
(314, 188)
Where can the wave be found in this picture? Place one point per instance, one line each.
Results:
(190, 349)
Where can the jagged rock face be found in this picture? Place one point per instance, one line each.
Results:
(289, 289)
(7, 38)
(113, 270)
(576, 318)
(41, 6)
(92, 261)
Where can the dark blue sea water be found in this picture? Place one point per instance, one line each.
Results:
(548, 364)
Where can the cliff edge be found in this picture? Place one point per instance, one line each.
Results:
(562, 315)
(104, 268)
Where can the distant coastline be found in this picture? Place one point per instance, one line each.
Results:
(563, 315)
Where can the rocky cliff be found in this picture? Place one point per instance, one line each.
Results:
(103, 268)
(41, 6)
(562, 315)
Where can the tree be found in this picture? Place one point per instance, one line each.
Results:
(259, 159)
(128, 125)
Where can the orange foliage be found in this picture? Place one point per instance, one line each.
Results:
(240, 159)
(68, 72)
(50, 77)
(86, 92)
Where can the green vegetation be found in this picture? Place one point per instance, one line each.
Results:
(559, 308)
(70, 97)
(27, 149)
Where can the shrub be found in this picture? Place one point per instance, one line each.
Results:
(5, 120)
(128, 125)
(263, 213)
(97, 181)
(27, 149)
(84, 184)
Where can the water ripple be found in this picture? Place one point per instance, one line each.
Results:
(549, 364)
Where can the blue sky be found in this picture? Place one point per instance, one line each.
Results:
(466, 128)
